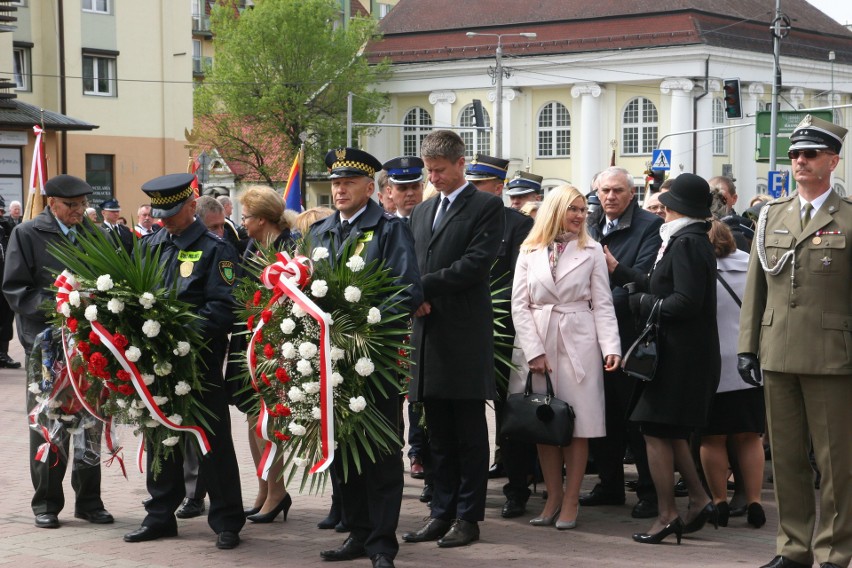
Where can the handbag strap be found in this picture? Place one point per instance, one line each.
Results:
(729, 289)
(528, 388)
(654, 316)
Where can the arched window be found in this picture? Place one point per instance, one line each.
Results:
(639, 127)
(413, 132)
(720, 137)
(475, 141)
(553, 131)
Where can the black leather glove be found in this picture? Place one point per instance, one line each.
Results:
(635, 302)
(749, 368)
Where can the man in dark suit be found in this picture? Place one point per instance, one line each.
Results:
(457, 237)
(7, 316)
(633, 237)
(372, 498)
(111, 210)
(516, 459)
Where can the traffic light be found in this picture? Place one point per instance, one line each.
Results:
(653, 180)
(733, 105)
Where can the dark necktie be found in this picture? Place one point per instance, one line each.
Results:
(610, 227)
(442, 210)
(345, 228)
(72, 235)
(806, 218)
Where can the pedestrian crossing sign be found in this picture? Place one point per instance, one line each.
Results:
(661, 160)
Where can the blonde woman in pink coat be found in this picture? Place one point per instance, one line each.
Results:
(565, 323)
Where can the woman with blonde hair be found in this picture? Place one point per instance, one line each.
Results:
(565, 325)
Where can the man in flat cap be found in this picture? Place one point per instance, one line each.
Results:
(203, 267)
(514, 459)
(29, 273)
(523, 188)
(111, 210)
(371, 499)
(796, 323)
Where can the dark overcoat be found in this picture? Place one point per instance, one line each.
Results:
(689, 361)
(454, 344)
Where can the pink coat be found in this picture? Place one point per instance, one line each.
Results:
(572, 320)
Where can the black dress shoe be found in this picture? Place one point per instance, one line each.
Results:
(496, 471)
(434, 529)
(644, 509)
(755, 516)
(190, 508)
(341, 527)
(782, 562)
(144, 534)
(829, 565)
(675, 527)
(47, 521)
(416, 469)
(680, 489)
(146, 500)
(725, 513)
(7, 362)
(382, 561)
(461, 533)
(426, 494)
(254, 511)
(99, 517)
(227, 540)
(708, 514)
(513, 508)
(596, 498)
(350, 550)
(333, 518)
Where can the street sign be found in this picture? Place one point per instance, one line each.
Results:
(787, 122)
(779, 183)
(661, 160)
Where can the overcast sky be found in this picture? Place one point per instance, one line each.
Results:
(840, 10)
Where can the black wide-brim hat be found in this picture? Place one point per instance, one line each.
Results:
(64, 185)
(168, 193)
(689, 195)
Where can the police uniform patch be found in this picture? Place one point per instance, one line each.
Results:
(226, 271)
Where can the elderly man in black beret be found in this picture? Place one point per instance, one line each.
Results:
(26, 278)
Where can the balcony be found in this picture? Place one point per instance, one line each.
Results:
(201, 25)
(199, 64)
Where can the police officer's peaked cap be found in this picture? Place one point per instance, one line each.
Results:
(64, 185)
(486, 167)
(110, 205)
(405, 169)
(524, 183)
(817, 134)
(351, 162)
(168, 193)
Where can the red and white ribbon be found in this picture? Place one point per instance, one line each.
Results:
(65, 284)
(37, 169)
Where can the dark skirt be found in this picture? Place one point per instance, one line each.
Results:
(666, 431)
(736, 412)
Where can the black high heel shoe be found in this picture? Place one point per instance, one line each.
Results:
(755, 515)
(724, 513)
(252, 511)
(283, 507)
(708, 513)
(675, 527)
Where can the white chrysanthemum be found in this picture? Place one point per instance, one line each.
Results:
(34, 388)
(74, 298)
(357, 404)
(121, 403)
(298, 311)
(163, 369)
(148, 380)
(352, 294)
(307, 350)
(133, 354)
(171, 441)
(151, 328)
(297, 429)
(319, 253)
(151, 423)
(137, 403)
(147, 300)
(312, 387)
(287, 326)
(91, 313)
(134, 412)
(295, 394)
(176, 419)
(336, 379)
(288, 350)
(182, 388)
(67, 417)
(337, 353)
(300, 462)
(316, 413)
(182, 349)
(65, 310)
(374, 315)
(104, 282)
(160, 400)
(304, 367)
(364, 366)
(115, 305)
(355, 263)
(319, 288)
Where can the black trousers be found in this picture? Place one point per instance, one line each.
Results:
(458, 438)
(372, 499)
(608, 452)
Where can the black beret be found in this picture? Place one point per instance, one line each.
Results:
(64, 185)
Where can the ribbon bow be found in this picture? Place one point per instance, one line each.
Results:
(65, 284)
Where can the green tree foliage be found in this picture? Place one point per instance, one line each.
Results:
(281, 69)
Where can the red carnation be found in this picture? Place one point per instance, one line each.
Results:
(97, 364)
(281, 375)
(250, 323)
(281, 436)
(259, 336)
(84, 348)
(266, 315)
(110, 386)
(94, 339)
(126, 390)
(120, 341)
(268, 351)
(257, 297)
(72, 325)
(284, 412)
(265, 379)
(122, 375)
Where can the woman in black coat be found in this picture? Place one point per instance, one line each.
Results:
(676, 402)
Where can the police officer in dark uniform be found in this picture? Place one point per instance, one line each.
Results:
(203, 267)
(523, 188)
(121, 234)
(372, 499)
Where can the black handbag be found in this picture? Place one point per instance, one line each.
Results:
(538, 418)
(641, 359)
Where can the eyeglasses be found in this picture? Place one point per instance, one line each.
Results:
(578, 210)
(246, 217)
(74, 205)
(808, 154)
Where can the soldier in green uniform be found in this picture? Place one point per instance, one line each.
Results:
(796, 320)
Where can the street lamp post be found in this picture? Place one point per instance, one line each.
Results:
(831, 96)
(498, 75)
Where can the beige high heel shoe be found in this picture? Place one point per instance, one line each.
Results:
(542, 521)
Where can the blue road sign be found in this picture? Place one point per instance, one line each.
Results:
(779, 183)
(661, 160)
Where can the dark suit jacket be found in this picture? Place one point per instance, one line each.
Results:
(120, 234)
(454, 344)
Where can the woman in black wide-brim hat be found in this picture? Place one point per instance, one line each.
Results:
(676, 402)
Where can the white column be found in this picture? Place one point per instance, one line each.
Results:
(594, 157)
(680, 90)
(704, 140)
(509, 95)
(442, 108)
